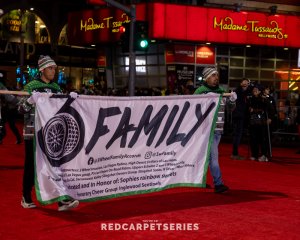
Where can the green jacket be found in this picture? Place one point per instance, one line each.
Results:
(204, 89)
(27, 109)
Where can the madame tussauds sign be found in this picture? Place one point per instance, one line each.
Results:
(272, 30)
(93, 148)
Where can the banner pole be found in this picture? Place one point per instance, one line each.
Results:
(14, 92)
(23, 93)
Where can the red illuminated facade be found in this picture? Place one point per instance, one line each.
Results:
(187, 38)
(185, 30)
(188, 23)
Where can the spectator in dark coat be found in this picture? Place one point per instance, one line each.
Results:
(267, 95)
(239, 116)
(261, 115)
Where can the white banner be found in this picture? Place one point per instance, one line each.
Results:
(95, 147)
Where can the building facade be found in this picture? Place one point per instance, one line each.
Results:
(257, 40)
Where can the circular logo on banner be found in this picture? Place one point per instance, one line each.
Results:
(62, 137)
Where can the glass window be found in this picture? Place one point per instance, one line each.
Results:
(63, 39)
(140, 62)
(253, 63)
(161, 59)
(267, 64)
(282, 64)
(162, 70)
(222, 60)
(160, 48)
(294, 64)
(151, 59)
(252, 52)
(251, 73)
(148, 66)
(141, 70)
(282, 54)
(222, 50)
(121, 81)
(154, 82)
(152, 48)
(141, 82)
(237, 62)
(152, 70)
(236, 51)
(267, 74)
(237, 73)
(78, 76)
(121, 70)
(294, 53)
(88, 75)
(267, 52)
(120, 61)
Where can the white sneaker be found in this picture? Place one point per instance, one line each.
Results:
(263, 158)
(25, 204)
(252, 158)
(67, 205)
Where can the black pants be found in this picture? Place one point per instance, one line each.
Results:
(9, 116)
(28, 176)
(238, 129)
(259, 140)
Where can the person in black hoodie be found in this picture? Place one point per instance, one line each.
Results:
(261, 114)
(267, 95)
(239, 116)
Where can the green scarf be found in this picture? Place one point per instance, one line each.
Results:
(39, 85)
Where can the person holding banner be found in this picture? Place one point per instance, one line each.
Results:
(45, 83)
(211, 85)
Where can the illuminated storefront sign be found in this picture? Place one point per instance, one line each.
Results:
(140, 65)
(188, 23)
(13, 22)
(13, 25)
(13, 48)
(187, 54)
(98, 26)
(101, 61)
(90, 24)
(271, 31)
(205, 55)
(180, 54)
